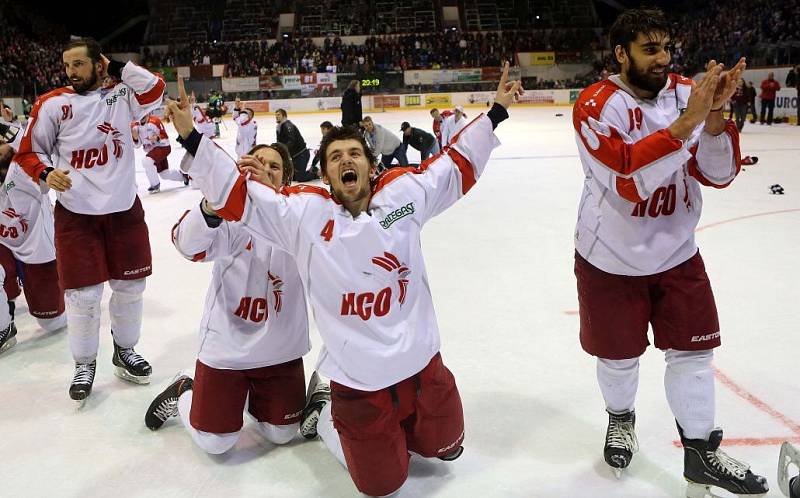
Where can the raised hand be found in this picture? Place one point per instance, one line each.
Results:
(181, 112)
(728, 80)
(507, 92)
(252, 167)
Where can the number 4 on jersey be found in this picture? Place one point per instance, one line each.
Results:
(327, 231)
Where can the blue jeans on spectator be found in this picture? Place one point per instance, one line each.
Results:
(432, 151)
(399, 153)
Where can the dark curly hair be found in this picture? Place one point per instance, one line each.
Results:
(630, 23)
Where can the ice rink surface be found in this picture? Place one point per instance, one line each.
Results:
(500, 267)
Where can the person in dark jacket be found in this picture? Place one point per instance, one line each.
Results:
(290, 136)
(424, 142)
(793, 81)
(351, 104)
(751, 96)
(739, 102)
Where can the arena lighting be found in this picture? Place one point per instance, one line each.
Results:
(537, 17)
(286, 35)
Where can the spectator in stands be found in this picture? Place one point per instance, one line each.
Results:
(351, 104)
(793, 81)
(290, 136)
(385, 143)
(769, 87)
(424, 142)
(324, 128)
(739, 103)
(751, 99)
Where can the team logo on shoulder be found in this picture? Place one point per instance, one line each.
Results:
(277, 293)
(395, 215)
(10, 185)
(367, 304)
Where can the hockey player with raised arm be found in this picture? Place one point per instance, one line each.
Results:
(150, 134)
(359, 257)
(79, 143)
(254, 329)
(26, 243)
(247, 128)
(647, 141)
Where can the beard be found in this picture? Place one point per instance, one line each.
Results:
(85, 84)
(644, 79)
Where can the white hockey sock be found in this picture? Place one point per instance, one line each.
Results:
(689, 384)
(618, 380)
(215, 444)
(125, 308)
(5, 314)
(83, 312)
(329, 435)
(149, 167)
(277, 434)
(171, 174)
(53, 324)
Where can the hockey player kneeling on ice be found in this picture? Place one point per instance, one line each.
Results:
(26, 245)
(790, 456)
(253, 333)
(360, 260)
(647, 141)
(149, 133)
(79, 144)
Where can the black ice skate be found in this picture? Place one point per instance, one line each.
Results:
(705, 465)
(165, 405)
(318, 394)
(130, 366)
(155, 189)
(82, 381)
(621, 442)
(8, 337)
(185, 179)
(789, 456)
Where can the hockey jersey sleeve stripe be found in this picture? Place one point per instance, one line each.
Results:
(234, 203)
(465, 167)
(32, 163)
(151, 95)
(694, 169)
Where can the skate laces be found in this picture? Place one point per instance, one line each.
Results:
(728, 465)
(84, 374)
(166, 409)
(621, 435)
(131, 357)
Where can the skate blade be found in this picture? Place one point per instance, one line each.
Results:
(8, 345)
(789, 455)
(125, 375)
(696, 490)
(617, 472)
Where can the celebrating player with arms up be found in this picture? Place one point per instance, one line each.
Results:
(648, 140)
(360, 260)
(149, 132)
(100, 232)
(254, 330)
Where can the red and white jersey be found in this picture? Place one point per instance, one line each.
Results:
(152, 134)
(248, 129)
(255, 312)
(450, 127)
(89, 134)
(365, 277)
(437, 125)
(203, 123)
(641, 198)
(26, 218)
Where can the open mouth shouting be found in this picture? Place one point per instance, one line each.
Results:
(349, 177)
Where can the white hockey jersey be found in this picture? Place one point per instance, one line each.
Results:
(450, 127)
(152, 134)
(203, 123)
(26, 218)
(365, 277)
(255, 312)
(89, 134)
(641, 197)
(246, 136)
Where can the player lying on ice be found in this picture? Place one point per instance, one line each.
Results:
(360, 261)
(254, 330)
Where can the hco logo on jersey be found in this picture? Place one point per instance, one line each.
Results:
(368, 304)
(120, 93)
(395, 215)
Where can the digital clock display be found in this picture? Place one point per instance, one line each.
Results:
(371, 82)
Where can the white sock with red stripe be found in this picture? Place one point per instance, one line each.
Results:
(215, 444)
(689, 384)
(619, 380)
(329, 435)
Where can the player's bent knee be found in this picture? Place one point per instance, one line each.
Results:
(84, 299)
(688, 361)
(53, 324)
(216, 444)
(128, 288)
(278, 434)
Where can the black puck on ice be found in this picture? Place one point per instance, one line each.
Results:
(776, 189)
(558, 114)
